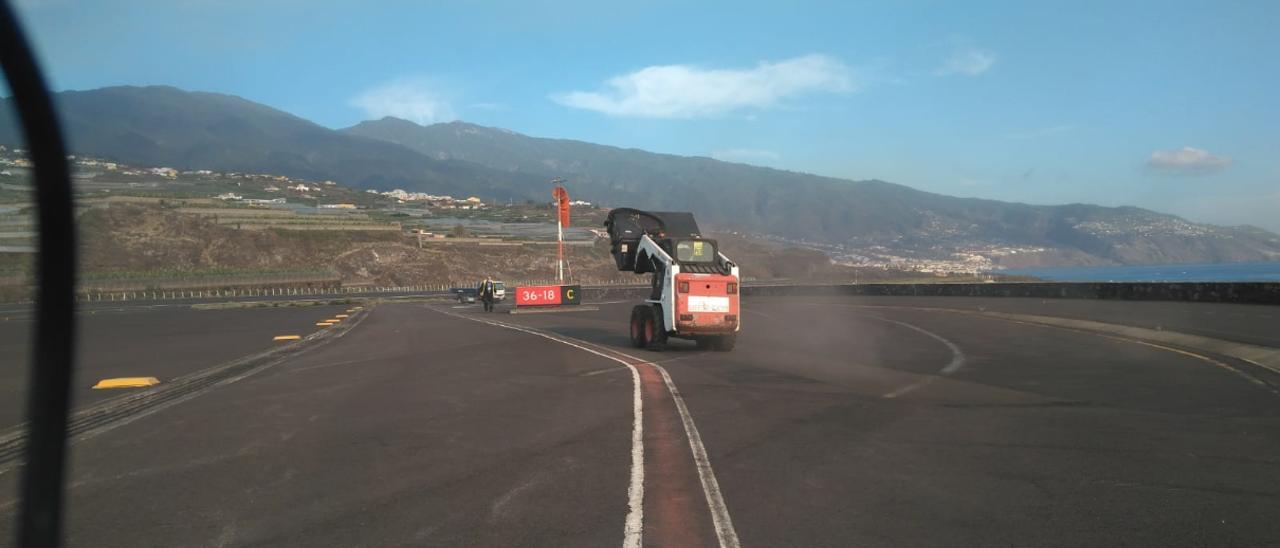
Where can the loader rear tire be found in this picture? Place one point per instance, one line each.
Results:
(657, 333)
(638, 339)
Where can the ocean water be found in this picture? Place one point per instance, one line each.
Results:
(1221, 272)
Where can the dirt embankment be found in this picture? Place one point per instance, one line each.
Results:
(405, 264)
(140, 238)
(150, 246)
(139, 241)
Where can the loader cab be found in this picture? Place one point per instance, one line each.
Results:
(694, 251)
(689, 255)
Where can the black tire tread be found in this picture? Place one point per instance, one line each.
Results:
(636, 328)
(659, 341)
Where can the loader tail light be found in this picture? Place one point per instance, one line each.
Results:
(686, 317)
(731, 288)
(683, 287)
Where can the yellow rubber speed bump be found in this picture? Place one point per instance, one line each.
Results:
(126, 382)
(286, 337)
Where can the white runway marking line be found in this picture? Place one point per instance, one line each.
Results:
(720, 519)
(1253, 380)
(710, 487)
(957, 356)
(633, 530)
(1242, 374)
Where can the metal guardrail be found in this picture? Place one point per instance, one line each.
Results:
(254, 292)
(1206, 292)
(299, 291)
(1216, 292)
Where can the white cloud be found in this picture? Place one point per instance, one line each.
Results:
(969, 62)
(744, 155)
(1187, 161)
(688, 91)
(412, 99)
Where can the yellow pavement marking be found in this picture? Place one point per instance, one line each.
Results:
(324, 324)
(340, 316)
(286, 337)
(126, 382)
(334, 320)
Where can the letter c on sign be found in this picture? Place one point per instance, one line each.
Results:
(568, 295)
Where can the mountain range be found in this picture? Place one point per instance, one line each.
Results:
(165, 126)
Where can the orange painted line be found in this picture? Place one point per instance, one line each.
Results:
(675, 510)
(666, 506)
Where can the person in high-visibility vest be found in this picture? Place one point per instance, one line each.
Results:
(486, 292)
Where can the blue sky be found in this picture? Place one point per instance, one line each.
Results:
(1165, 105)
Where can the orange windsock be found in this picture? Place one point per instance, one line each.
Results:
(562, 203)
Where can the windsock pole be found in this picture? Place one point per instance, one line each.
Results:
(559, 249)
(558, 192)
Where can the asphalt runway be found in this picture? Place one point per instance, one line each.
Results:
(835, 422)
(162, 342)
(1247, 323)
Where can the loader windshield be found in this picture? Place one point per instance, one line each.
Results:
(695, 251)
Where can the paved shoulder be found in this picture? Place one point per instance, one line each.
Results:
(413, 429)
